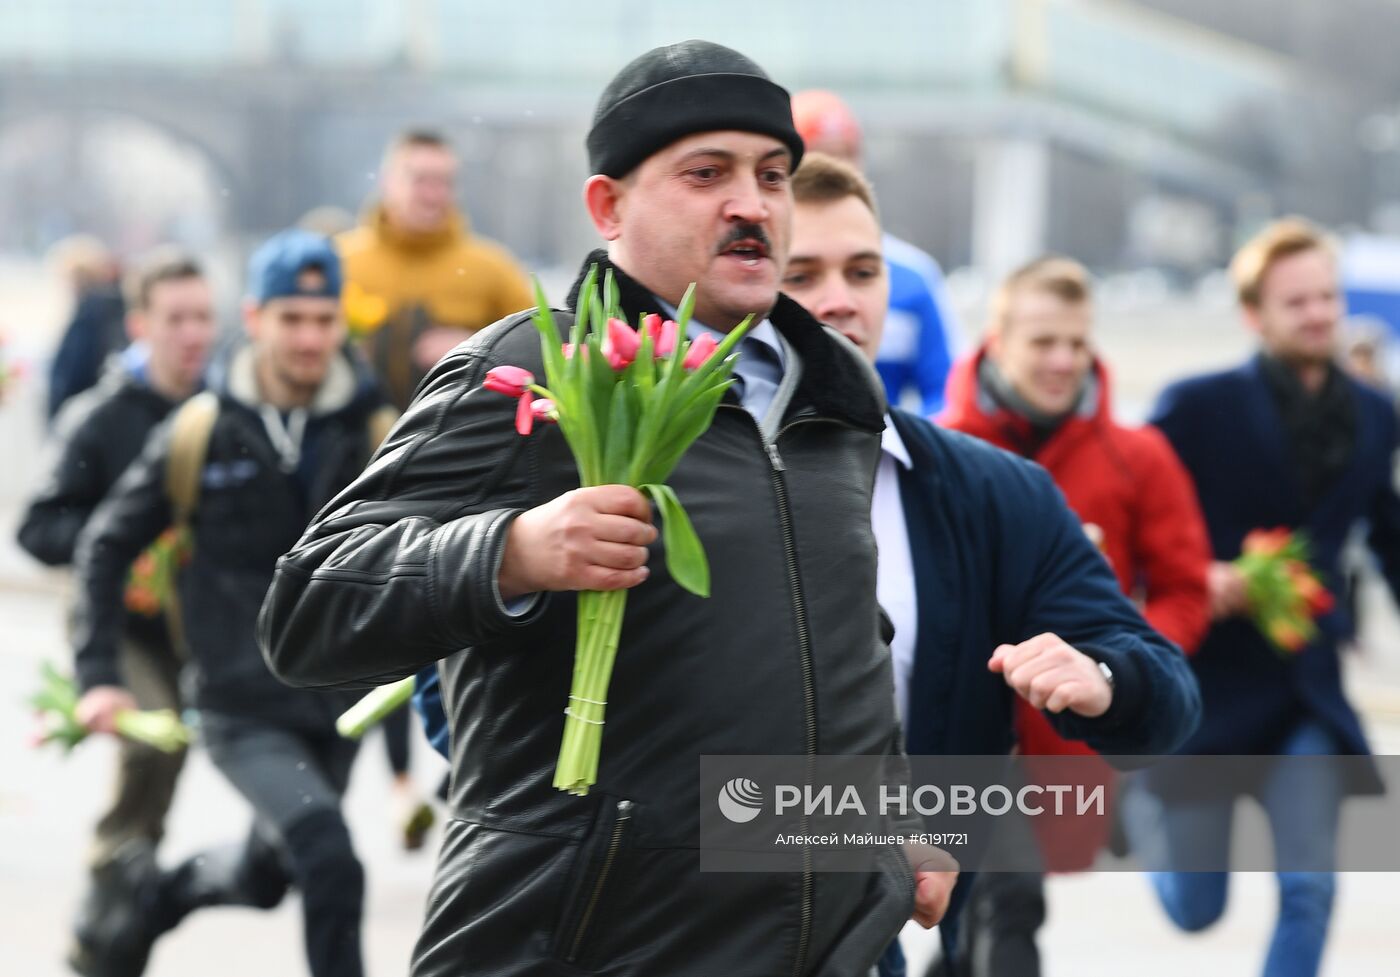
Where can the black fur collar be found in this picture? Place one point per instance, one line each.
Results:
(836, 382)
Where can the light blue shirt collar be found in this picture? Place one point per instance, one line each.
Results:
(764, 332)
(760, 375)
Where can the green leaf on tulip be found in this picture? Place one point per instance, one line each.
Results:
(619, 438)
(612, 296)
(679, 432)
(580, 329)
(685, 556)
(686, 309)
(719, 360)
(549, 335)
(601, 380)
(643, 369)
(544, 315)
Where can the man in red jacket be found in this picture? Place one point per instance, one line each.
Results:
(1035, 387)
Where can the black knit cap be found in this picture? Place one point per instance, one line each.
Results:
(674, 91)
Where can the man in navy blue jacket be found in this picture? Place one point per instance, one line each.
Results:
(1283, 440)
(992, 584)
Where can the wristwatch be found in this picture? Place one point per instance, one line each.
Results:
(1107, 673)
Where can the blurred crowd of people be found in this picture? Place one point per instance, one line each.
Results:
(1030, 603)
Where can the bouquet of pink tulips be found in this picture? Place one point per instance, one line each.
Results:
(629, 402)
(55, 707)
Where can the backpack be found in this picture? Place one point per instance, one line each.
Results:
(189, 447)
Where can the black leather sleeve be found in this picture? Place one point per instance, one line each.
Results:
(132, 515)
(74, 484)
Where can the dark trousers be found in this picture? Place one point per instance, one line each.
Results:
(999, 924)
(146, 776)
(295, 782)
(1004, 911)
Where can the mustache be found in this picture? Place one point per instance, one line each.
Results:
(745, 232)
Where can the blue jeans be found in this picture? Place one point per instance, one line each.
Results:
(1302, 803)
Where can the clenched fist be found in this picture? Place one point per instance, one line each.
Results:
(1049, 674)
(932, 893)
(1229, 592)
(588, 539)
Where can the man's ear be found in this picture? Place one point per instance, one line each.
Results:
(135, 326)
(1252, 320)
(251, 320)
(602, 195)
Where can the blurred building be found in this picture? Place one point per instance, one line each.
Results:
(1151, 133)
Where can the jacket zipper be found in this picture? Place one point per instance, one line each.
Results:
(809, 692)
(624, 814)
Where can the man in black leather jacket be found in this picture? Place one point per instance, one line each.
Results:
(463, 543)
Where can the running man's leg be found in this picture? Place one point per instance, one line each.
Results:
(1171, 835)
(295, 782)
(146, 776)
(1303, 801)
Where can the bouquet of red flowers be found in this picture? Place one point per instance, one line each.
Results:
(1285, 595)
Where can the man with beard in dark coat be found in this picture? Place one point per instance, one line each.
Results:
(1285, 440)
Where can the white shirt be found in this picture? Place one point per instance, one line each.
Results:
(895, 572)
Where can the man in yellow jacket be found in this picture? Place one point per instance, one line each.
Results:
(417, 284)
(418, 281)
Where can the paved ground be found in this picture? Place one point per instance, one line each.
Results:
(1100, 924)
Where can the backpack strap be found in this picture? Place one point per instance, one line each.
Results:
(189, 446)
(184, 470)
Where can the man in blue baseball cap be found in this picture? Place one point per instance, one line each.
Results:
(238, 472)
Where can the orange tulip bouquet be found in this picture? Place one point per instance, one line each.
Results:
(150, 584)
(1285, 595)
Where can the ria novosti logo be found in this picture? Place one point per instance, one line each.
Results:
(740, 800)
